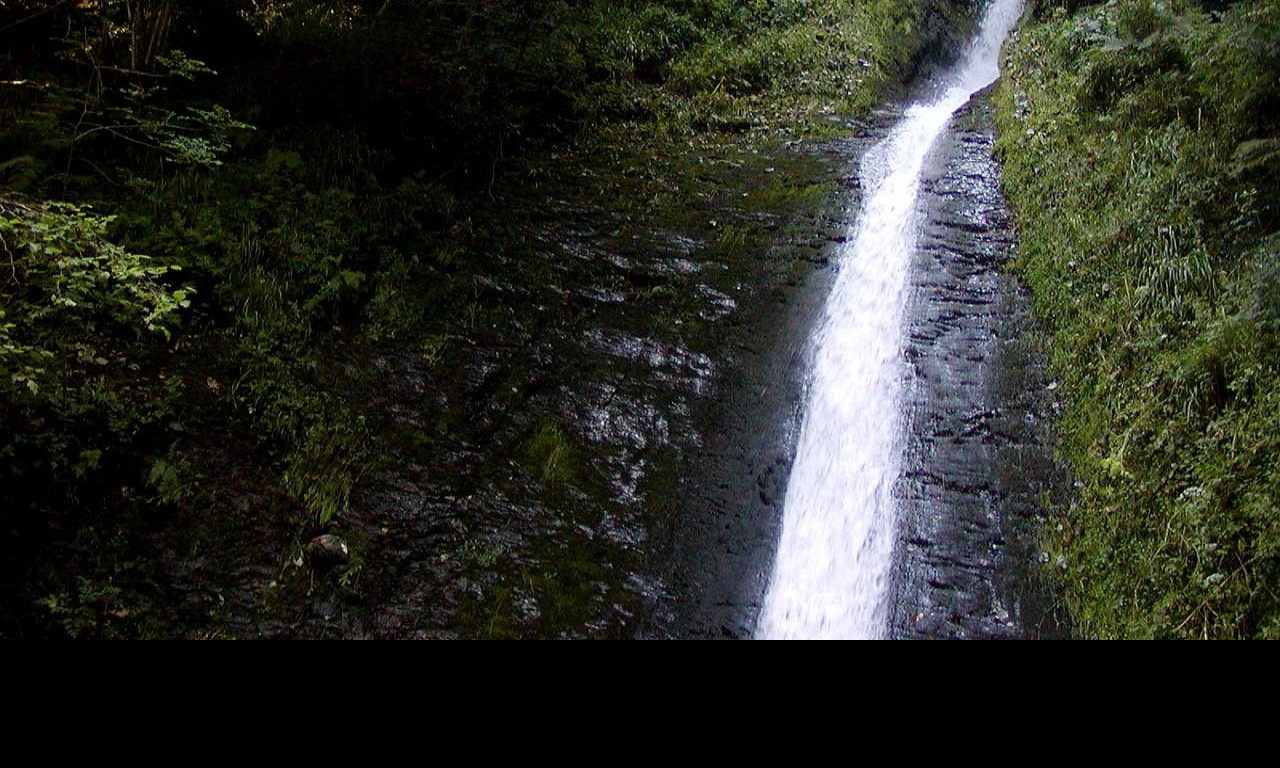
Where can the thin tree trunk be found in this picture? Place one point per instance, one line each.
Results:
(149, 24)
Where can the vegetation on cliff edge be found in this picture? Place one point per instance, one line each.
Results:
(1142, 157)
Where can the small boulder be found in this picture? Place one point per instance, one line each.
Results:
(329, 549)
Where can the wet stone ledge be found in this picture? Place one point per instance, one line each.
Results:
(979, 451)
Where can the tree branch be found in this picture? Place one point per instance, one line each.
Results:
(35, 15)
(13, 266)
(111, 128)
(116, 130)
(7, 202)
(101, 172)
(139, 73)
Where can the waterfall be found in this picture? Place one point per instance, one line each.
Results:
(831, 575)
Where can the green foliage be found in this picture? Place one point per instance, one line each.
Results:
(552, 457)
(476, 553)
(329, 458)
(728, 66)
(105, 603)
(199, 137)
(1139, 159)
(67, 265)
(299, 245)
(78, 309)
(169, 478)
(116, 122)
(516, 70)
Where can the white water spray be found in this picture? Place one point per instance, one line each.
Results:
(831, 576)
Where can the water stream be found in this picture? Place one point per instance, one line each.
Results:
(831, 577)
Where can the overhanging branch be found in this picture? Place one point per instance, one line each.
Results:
(34, 16)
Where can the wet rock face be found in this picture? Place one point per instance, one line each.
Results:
(602, 449)
(978, 453)
(724, 534)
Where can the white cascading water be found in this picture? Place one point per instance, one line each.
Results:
(831, 575)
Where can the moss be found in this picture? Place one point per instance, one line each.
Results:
(783, 194)
(552, 457)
